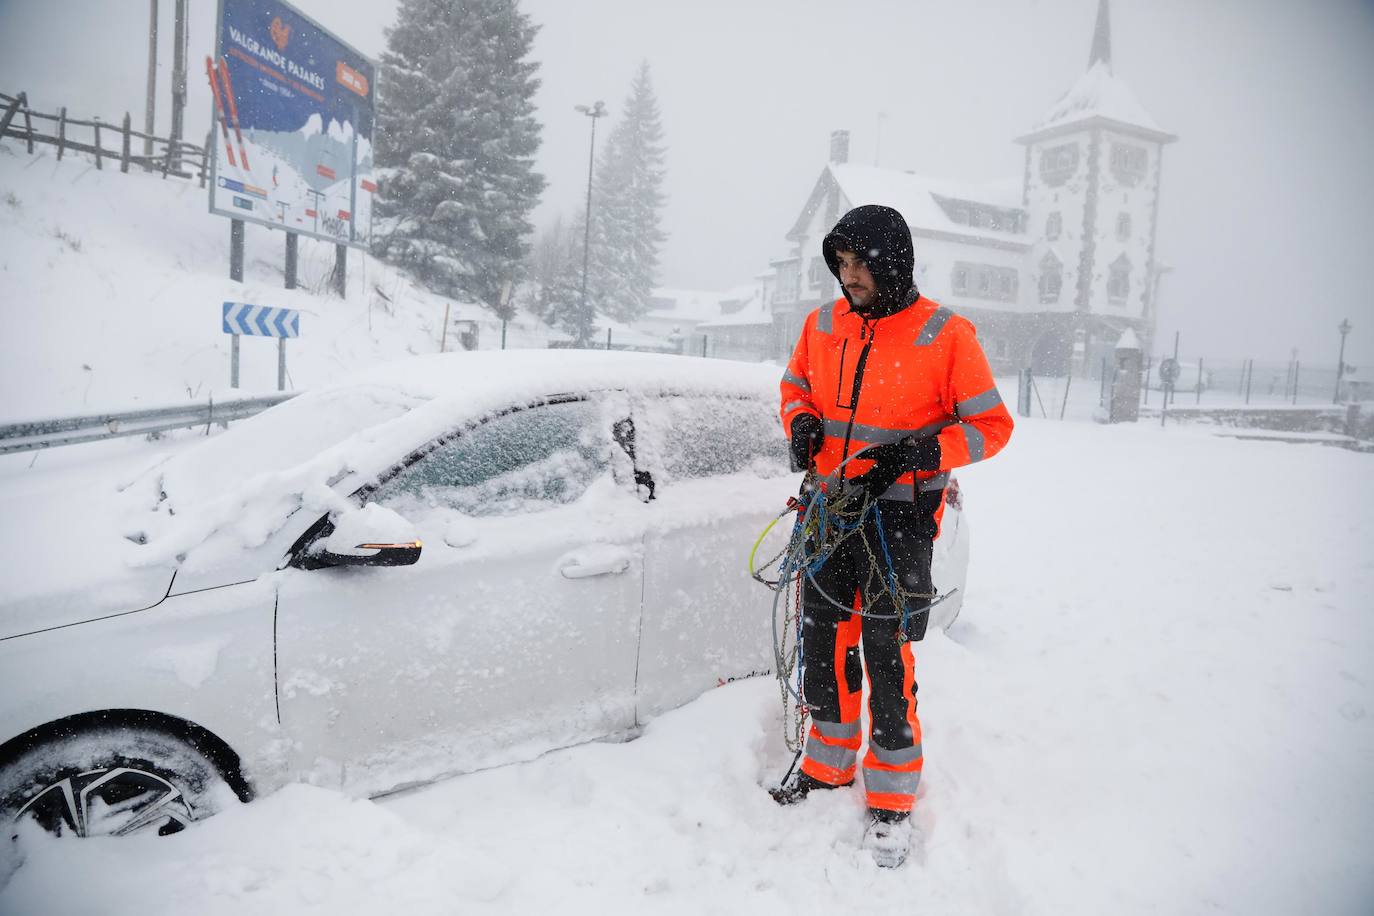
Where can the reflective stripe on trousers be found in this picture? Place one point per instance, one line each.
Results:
(832, 751)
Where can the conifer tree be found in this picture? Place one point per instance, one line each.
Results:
(554, 291)
(569, 309)
(627, 201)
(456, 142)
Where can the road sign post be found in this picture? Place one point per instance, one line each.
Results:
(241, 319)
(1169, 371)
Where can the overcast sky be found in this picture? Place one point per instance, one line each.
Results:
(1267, 209)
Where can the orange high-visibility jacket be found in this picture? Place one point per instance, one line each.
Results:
(917, 373)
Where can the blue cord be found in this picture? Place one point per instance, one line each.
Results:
(887, 558)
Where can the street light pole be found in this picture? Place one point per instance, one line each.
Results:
(1345, 327)
(596, 111)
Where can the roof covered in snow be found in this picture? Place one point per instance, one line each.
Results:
(918, 198)
(1097, 96)
(753, 312)
(684, 304)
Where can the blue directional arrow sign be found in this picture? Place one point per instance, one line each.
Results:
(260, 320)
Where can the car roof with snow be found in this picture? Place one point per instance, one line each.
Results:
(299, 453)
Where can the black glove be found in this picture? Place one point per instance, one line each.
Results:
(893, 459)
(808, 434)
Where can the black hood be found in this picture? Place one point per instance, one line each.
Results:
(878, 235)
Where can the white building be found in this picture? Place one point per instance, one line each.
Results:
(1051, 266)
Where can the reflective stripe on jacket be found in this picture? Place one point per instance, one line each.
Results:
(917, 373)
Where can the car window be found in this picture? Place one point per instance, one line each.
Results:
(705, 436)
(523, 461)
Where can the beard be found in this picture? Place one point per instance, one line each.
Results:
(861, 297)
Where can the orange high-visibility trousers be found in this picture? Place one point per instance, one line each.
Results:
(833, 676)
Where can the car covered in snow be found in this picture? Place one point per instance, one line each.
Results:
(447, 564)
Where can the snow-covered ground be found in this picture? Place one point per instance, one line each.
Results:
(114, 285)
(1159, 699)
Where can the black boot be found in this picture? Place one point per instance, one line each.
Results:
(800, 787)
(888, 837)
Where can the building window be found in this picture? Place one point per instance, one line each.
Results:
(1128, 163)
(1058, 164)
(788, 281)
(1119, 281)
(999, 348)
(1051, 277)
(985, 281)
(1123, 226)
(818, 273)
(1054, 225)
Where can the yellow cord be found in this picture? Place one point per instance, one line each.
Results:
(753, 550)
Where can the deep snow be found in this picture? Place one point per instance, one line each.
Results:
(1158, 699)
(116, 283)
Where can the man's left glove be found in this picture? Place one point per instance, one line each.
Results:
(892, 460)
(808, 434)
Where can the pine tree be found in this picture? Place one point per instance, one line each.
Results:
(627, 201)
(456, 144)
(573, 311)
(546, 262)
(555, 289)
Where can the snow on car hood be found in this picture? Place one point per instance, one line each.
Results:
(237, 490)
(67, 556)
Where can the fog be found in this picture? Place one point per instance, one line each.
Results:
(1267, 200)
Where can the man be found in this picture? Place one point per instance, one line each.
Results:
(889, 368)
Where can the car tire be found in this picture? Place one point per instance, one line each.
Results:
(111, 781)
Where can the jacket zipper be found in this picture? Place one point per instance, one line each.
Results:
(867, 334)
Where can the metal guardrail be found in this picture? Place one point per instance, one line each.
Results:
(47, 433)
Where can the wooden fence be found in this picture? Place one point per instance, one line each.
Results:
(176, 158)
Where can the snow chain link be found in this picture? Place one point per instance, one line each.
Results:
(828, 514)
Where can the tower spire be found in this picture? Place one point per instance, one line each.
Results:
(1102, 37)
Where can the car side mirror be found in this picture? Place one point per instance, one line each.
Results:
(370, 536)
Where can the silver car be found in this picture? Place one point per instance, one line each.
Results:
(452, 563)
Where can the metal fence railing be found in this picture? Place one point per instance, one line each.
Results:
(1252, 382)
(47, 433)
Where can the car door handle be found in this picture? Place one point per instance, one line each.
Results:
(594, 560)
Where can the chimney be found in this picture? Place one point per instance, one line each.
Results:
(839, 146)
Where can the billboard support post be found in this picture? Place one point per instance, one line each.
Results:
(178, 87)
(281, 363)
(340, 277)
(292, 258)
(234, 361)
(150, 104)
(236, 250)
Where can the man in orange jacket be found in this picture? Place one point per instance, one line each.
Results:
(887, 369)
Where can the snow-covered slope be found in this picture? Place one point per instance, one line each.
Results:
(1158, 699)
(113, 285)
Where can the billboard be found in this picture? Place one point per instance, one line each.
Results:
(293, 124)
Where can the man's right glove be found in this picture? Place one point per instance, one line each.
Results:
(893, 459)
(808, 434)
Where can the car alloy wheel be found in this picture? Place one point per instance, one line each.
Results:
(118, 801)
(111, 781)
